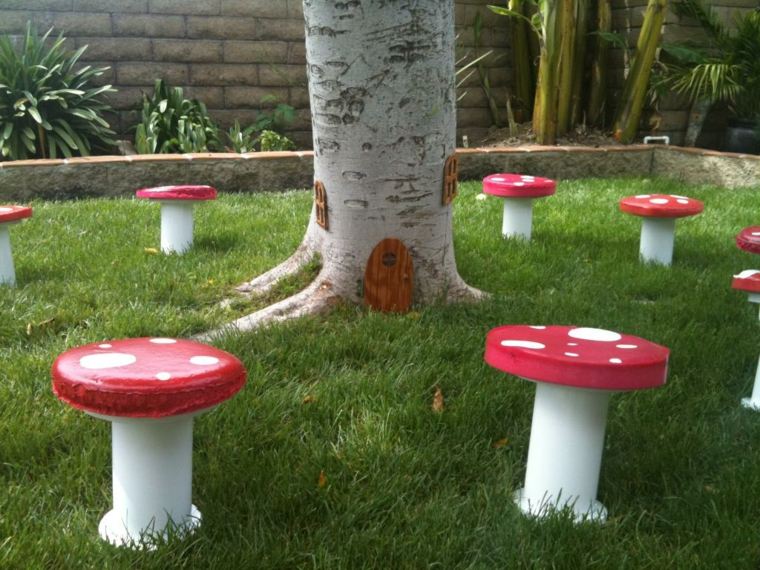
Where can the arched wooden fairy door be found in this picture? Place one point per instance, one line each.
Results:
(389, 277)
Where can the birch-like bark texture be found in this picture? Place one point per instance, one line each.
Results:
(381, 86)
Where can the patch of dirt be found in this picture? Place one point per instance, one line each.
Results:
(580, 136)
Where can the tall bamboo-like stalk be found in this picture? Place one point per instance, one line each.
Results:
(566, 62)
(581, 29)
(545, 108)
(522, 68)
(637, 82)
(597, 99)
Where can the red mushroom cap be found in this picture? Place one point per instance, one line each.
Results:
(749, 239)
(518, 186)
(178, 193)
(146, 377)
(661, 206)
(577, 356)
(748, 280)
(14, 213)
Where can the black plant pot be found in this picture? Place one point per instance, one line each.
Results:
(742, 136)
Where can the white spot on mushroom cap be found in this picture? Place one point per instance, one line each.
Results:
(106, 360)
(163, 341)
(574, 354)
(159, 189)
(519, 183)
(626, 346)
(659, 201)
(746, 273)
(105, 346)
(572, 344)
(755, 233)
(599, 335)
(681, 197)
(163, 376)
(497, 179)
(538, 327)
(3, 209)
(643, 196)
(616, 361)
(204, 360)
(682, 201)
(523, 344)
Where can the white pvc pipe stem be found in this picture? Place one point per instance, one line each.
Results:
(657, 238)
(753, 402)
(176, 226)
(152, 479)
(565, 453)
(518, 218)
(7, 272)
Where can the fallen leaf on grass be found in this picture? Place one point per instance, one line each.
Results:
(322, 481)
(39, 326)
(438, 403)
(309, 399)
(150, 250)
(499, 443)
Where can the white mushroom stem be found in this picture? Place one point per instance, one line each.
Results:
(518, 218)
(176, 226)
(7, 272)
(152, 479)
(753, 402)
(657, 237)
(565, 453)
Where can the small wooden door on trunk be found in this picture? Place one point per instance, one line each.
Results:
(389, 277)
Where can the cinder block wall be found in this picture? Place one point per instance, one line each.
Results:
(231, 54)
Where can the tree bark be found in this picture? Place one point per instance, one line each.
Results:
(598, 91)
(381, 86)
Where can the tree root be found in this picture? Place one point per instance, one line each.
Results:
(317, 298)
(265, 282)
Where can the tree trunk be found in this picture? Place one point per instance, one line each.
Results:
(545, 107)
(637, 82)
(566, 31)
(579, 65)
(381, 86)
(598, 91)
(522, 69)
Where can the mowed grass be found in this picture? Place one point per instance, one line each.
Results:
(349, 395)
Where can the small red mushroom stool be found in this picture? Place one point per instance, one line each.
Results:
(150, 389)
(9, 215)
(658, 229)
(518, 191)
(749, 282)
(177, 204)
(575, 370)
(749, 239)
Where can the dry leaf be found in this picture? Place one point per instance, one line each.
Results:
(438, 404)
(309, 399)
(150, 250)
(499, 443)
(322, 481)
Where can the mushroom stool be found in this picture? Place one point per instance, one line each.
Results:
(518, 192)
(149, 389)
(177, 213)
(575, 370)
(749, 239)
(658, 228)
(749, 282)
(9, 215)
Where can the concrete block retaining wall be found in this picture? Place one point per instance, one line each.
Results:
(112, 176)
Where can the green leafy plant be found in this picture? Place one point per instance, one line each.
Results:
(271, 140)
(726, 71)
(49, 107)
(171, 123)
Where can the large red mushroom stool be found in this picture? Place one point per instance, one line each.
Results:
(518, 192)
(150, 389)
(177, 204)
(9, 215)
(659, 213)
(749, 282)
(575, 371)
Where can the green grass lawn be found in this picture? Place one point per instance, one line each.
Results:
(349, 395)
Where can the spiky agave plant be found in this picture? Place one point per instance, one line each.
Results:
(49, 105)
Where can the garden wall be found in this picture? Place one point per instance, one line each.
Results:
(119, 176)
(228, 53)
